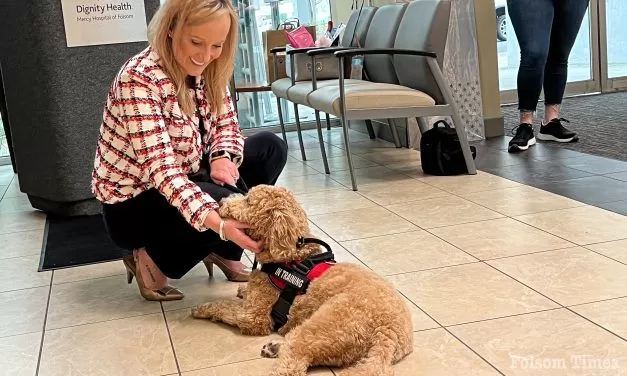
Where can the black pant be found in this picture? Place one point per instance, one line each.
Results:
(149, 221)
(546, 31)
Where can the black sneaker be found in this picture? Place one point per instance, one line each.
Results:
(555, 131)
(523, 138)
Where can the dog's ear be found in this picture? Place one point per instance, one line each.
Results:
(278, 221)
(283, 221)
(234, 207)
(287, 226)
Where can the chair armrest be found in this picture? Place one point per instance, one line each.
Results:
(300, 50)
(278, 49)
(383, 51)
(327, 50)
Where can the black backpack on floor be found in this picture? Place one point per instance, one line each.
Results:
(441, 152)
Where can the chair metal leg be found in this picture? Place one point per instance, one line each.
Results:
(278, 106)
(397, 140)
(328, 122)
(460, 129)
(321, 141)
(344, 123)
(299, 132)
(370, 129)
(422, 124)
(348, 153)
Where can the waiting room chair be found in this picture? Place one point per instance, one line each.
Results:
(419, 88)
(354, 35)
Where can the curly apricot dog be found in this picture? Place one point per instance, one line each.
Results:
(348, 317)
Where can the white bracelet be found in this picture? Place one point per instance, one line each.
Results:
(221, 231)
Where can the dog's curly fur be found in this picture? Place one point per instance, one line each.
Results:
(349, 317)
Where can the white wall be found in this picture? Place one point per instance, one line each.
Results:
(340, 10)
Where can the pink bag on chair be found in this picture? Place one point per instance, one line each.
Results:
(300, 38)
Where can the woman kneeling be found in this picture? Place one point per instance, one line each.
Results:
(170, 149)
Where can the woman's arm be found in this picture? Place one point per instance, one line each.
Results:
(227, 136)
(140, 111)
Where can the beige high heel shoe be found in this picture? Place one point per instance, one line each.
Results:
(238, 274)
(165, 293)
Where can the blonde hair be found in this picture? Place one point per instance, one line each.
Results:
(170, 18)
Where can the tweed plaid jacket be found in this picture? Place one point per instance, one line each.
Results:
(146, 141)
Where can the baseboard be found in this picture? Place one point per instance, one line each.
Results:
(494, 127)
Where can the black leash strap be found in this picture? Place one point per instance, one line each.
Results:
(239, 187)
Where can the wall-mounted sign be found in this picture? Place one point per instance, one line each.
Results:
(95, 22)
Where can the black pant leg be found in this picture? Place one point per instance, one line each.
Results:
(567, 21)
(149, 221)
(265, 155)
(531, 21)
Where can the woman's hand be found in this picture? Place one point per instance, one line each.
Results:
(224, 171)
(233, 231)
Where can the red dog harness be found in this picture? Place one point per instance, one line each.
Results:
(281, 277)
(293, 278)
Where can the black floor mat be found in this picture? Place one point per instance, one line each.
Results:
(598, 119)
(73, 241)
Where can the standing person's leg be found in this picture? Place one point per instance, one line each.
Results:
(532, 22)
(567, 21)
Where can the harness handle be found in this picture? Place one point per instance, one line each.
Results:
(302, 241)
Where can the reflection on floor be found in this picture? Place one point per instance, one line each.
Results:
(502, 278)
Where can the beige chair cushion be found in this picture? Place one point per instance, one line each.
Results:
(279, 87)
(368, 96)
(299, 92)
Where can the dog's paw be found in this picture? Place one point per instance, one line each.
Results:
(205, 311)
(271, 349)
(241, 291)
(197, 313)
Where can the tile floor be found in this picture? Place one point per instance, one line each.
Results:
(502, 279)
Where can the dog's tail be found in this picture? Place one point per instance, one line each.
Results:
(386, 350)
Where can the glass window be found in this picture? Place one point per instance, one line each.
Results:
(616, 38)
(258, 109)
